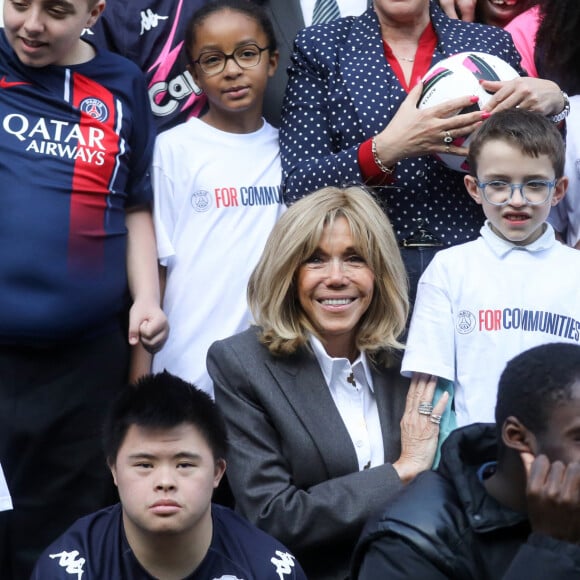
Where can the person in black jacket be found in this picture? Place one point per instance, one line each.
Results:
(505, 500)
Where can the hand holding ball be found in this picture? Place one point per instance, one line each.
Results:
(460, 75)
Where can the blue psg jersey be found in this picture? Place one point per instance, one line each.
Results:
(151, 33)
(95, 548)
(75, 150)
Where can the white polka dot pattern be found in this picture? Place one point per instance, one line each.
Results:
(341, 92)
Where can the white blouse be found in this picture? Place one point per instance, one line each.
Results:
(351, 387)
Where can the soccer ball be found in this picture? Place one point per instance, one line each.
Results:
(458, 76)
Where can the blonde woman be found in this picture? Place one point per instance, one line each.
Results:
(323, 429)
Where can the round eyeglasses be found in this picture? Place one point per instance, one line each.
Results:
(214, 62)
(534, 191)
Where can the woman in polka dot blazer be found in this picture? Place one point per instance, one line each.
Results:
(350, 116)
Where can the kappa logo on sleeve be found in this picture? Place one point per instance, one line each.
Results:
(71, 564)
(284, 563)
(150, 20)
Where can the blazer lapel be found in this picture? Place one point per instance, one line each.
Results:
(367, 75)
(302, 383)
(390, 393)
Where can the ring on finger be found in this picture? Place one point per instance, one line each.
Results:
(425, 408)
(448, 139)
(435, 418)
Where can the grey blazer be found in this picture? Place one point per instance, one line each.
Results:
(292, 466)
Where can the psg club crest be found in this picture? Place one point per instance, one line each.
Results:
(95, 108)
(465, 322)
(200, 201)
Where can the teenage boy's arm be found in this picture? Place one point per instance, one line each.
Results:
(141, 358)
(147, 322)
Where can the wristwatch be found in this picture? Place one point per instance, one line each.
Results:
(564, 112)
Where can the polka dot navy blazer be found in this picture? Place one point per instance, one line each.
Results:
(341, 91)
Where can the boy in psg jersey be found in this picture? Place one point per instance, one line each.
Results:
(165, 443)
(515, 287)
(76, 238)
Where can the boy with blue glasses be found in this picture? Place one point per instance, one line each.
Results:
(481, 303)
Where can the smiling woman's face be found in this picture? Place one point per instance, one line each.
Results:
(335, 289)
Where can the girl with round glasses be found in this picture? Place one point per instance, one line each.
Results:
(217, 185)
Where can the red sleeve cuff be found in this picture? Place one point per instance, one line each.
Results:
(371, 173)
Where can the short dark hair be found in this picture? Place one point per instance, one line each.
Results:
(163, 401)
(529, 131)
(247, 7)
(534, 382)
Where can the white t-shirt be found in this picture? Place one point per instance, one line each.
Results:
(5, 500)
(565, 217)
(217, 197)
(481, 303)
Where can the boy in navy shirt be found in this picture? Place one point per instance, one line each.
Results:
(165, 443)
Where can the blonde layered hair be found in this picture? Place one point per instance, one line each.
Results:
(272, 289)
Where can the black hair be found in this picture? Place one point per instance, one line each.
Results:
(529, 131)
(557, 49)
(163, 401)
(247, 7)
(534, 382)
